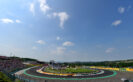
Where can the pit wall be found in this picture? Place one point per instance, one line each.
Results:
(115, 69)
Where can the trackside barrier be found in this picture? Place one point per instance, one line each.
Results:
(115, 69)
(23, 78)
(40, 71)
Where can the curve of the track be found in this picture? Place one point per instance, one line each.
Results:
(32, 72)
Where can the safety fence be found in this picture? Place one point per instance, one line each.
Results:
(115, 69)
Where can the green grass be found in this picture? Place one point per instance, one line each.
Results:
(69, 70)
(4, 78)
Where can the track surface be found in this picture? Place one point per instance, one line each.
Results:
(33, 72)
(117, 78)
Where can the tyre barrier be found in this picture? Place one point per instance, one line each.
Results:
(60, 74)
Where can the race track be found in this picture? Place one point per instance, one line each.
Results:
(31, 74)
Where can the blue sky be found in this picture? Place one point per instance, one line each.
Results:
(67, 30)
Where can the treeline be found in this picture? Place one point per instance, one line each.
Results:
(118, 64)
(5, 78)
(28, 59)
(24, 59)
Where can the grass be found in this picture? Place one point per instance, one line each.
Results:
(69, 70)
(4, 78)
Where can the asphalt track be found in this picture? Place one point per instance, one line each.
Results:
(116, 78)
(106, 73)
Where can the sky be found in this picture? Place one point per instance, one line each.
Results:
(67, 30)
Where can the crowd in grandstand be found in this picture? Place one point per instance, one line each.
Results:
(10, 64)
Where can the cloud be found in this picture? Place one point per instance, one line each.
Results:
(59, 50)
(49, 15)
(44, 6)
(58, 38)
(68, 43)
(117, 22)
(6, 20)
(121, 10)
(34, 47)
(32, 9)
(109, 50)
(18, 21)
(40, 42)
(63, 16)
